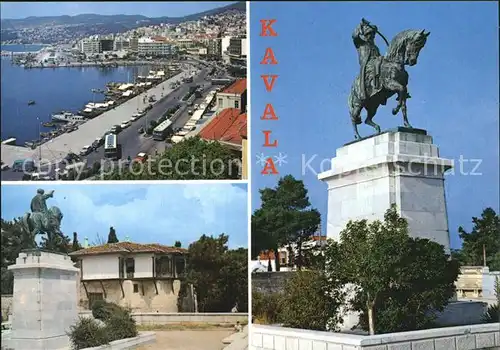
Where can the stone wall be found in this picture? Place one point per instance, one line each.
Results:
(484, 336)
(270, 282)
(153, 318)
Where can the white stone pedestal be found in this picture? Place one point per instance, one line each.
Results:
(44, 302)
(400, 166)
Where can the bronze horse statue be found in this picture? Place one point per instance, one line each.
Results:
(44, 223)
(403, 51)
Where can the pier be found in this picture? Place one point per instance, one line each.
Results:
(56, 149)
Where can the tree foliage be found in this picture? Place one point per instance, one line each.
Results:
(397, 282)
(112, 238)
(310, 301)
(16, 238)
(485, 233)
(285, 218)
(178, 244)
(219, 275)
(190, 159)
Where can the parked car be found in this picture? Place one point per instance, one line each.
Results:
(141, 157)
(115, 129)
(86, 150)
(125, 124)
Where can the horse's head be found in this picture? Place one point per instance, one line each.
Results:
(406, 46)
(55, 218)
(414, 46)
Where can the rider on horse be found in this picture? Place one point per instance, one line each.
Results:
(364, 41)
(39, 202)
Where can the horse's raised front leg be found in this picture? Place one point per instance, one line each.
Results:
(402, 97)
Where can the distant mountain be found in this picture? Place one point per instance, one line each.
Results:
(119, 21)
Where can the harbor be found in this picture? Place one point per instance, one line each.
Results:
(55, 149)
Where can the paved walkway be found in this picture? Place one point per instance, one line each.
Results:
(189, 340)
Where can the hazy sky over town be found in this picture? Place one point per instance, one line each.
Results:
(146, 8)
(160, 213)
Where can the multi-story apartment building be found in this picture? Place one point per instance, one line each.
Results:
(90, 46)
(154, 47)
(121, 44)
(144, 277)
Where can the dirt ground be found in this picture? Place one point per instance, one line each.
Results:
(189, 340)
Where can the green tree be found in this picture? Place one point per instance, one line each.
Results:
(76, 245)
(190, 159)
(219, 275)
(310, 301)
(178, 244)
(397, 282)
(112, 236)
(284, 219)
(485, 234)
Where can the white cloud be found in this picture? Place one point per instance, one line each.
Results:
(154, 213)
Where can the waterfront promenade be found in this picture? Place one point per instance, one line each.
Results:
(56, 149)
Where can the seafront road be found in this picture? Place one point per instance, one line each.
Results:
(130, 139)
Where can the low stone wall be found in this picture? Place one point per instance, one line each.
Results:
(462, 313)
(476, 337)
(129, 343)
(270, 282)
(185, 317)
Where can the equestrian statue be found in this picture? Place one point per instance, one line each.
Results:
(381, 77)
(43, 220)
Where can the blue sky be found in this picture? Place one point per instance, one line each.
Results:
(146, 8)
(160, 213)
(454, 90)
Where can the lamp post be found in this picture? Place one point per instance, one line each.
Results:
(40, 144)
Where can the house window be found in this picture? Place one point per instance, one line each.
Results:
(130, 267)
(163, 266)
(180, 266)
(136, 288)
(93, 297)
(220, 102)
(236, 104)
(121, 267)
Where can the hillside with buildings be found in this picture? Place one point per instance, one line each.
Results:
(64, 29)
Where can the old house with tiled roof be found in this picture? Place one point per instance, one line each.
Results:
(144, 277)
(233, 96)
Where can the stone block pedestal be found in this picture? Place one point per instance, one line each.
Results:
(400, 166)
(44, 301)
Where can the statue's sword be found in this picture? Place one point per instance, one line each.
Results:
(383, 37)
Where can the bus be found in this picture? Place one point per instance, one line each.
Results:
(160, 132)
(111, 147)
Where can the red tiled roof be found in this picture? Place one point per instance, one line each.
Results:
(128, 247)
(229, 126)
(268, 255)
(238, 87)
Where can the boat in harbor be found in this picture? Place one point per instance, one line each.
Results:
(67, 117)
(31, 103)
(48, 124)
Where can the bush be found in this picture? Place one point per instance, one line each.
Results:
(308, 302)
(266, 307)
(87, 333)
(121, 325)
(492, 315)
(103, 310)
